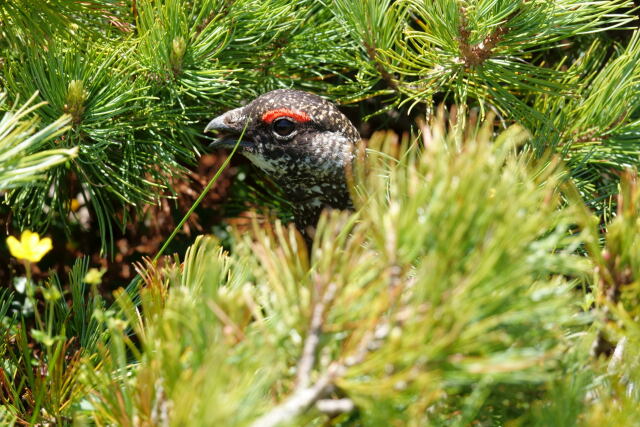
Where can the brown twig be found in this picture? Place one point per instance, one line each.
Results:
(334, 407)
(476, 54)
(306, 395)
(305, 365)
(301, 399)
(372, 52)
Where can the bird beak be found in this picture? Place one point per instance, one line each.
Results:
(230, 123)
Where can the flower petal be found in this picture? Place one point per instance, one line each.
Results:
(41, 248)
(15, 247)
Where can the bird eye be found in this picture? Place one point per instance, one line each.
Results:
(283, 126)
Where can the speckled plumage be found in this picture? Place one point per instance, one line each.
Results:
(311, 163)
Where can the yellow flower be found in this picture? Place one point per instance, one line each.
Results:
(94, 276)
(30, 247)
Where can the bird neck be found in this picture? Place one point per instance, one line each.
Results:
(309, 199)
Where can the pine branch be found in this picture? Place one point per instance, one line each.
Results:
(307, 361)
(21, 161)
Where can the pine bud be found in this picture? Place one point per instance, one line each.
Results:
(178, 47)
(76, 96)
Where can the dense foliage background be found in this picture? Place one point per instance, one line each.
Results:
(489, 274)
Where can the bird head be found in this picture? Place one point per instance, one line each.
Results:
(291, 135)
(302, 141)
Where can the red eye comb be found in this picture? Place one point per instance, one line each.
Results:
(298, 116)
